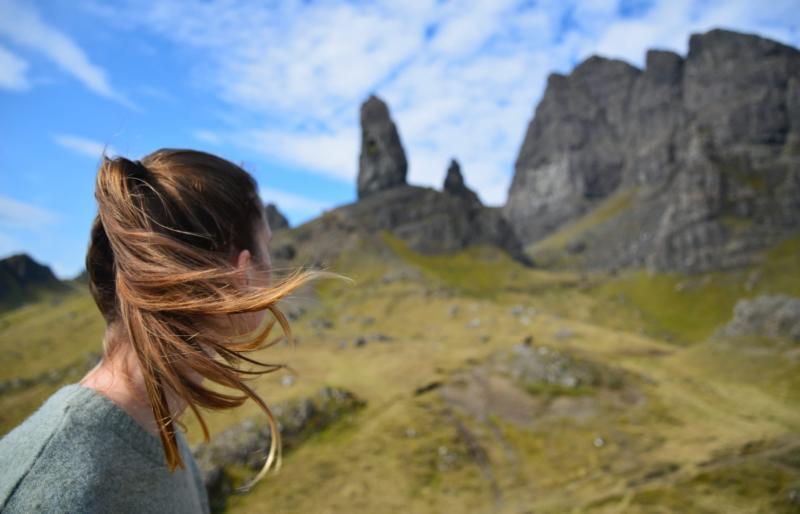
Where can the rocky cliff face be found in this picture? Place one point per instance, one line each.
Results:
(700, 155)
(382, 163)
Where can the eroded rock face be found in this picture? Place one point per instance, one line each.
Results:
(382, 163)
(572, 154)
(706, 147)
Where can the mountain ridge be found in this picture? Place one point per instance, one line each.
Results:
(708, 141)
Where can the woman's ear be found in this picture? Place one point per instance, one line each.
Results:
(243, 263)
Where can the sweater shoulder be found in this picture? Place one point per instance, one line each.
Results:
(21, 448)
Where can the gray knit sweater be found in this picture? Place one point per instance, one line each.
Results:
(80, 452)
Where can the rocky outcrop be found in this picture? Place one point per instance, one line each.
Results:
(245, 446)
(22, 278)
(454, 184)
(427, 220)
(275, 218)
(771, 316)
(706, 151)
(382, 163)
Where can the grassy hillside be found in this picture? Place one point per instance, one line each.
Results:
(626, 403)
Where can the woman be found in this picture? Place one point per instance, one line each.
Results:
(178, 264)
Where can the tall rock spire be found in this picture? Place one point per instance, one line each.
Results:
(454, 184)
(382, 163)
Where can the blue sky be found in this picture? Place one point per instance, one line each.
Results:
(276, 86)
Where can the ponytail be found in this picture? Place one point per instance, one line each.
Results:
(159, 265)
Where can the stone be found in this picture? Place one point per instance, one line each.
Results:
(772, 316)
(382, 162)
(321, 323)
(244, 446)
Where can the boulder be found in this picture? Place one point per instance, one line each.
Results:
(771, 316)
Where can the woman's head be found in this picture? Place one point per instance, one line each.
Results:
(178, 263)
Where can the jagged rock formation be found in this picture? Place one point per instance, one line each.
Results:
(772, 316)
(454, 184)
(21, 278)
(275, 218)
(245, 445)
(382, 163)
(427, 220)
(694, 163)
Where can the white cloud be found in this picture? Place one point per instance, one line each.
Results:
(333, 154)
(17, 214)
(298, 205)
(207, 136)
(84, 146)
(461, 78)
(13, 71)
(23, 25)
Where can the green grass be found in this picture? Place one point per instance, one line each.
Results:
(61, 332)
(689, 308)
(607, 210)
(477, 271)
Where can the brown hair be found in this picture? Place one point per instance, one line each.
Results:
(159, 266)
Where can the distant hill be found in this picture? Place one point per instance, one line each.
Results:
(692, 163)
(23, 279)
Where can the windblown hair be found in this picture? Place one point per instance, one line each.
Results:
(161, 267)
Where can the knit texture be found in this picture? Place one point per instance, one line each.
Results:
(80, 452)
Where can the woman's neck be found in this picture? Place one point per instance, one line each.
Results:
(119, 378)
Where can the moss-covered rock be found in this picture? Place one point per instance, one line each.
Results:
(226, 459)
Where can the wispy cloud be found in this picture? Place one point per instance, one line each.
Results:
(13, 71)
(331, 153)
(461, 78)
(207, 136)
(84, 146)
(18, 214)
(290, 202)
(23, 25)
